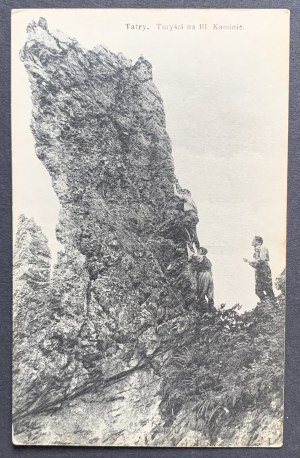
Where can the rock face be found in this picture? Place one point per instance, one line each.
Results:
(99, 127)
(120, 305)
(31, 266)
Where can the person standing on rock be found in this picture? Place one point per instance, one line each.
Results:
(191, 219)
(263, 275)
(204, 279)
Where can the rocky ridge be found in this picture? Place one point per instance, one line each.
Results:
(122, 279)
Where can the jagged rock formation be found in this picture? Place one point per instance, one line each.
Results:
(121, 300)
(99, 127)
(31, 266)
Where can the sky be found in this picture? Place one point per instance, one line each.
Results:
(225, 96)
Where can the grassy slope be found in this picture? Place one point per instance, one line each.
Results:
(224, 381)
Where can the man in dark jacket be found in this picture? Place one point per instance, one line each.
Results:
(263, 275)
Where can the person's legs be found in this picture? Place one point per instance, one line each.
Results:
(201, 290)
(268, 283)
(189, 240)
(259, 287)
(260, 293)
(210, 294)
(190, 221)
(269, 292)
(265, 283)
(195, 239)
(210, 291)
(206, 287)
(186, 226)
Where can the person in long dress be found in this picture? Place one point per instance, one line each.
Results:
(202, 267)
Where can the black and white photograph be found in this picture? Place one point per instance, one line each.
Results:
(149, 160)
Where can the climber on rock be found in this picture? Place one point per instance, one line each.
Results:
(191, 219)
(201, 265)
(263, 275)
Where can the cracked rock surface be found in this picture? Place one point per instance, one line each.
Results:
(99, 126)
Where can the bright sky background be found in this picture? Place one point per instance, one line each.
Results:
(226, 101)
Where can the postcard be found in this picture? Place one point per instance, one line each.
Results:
(149, 152)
